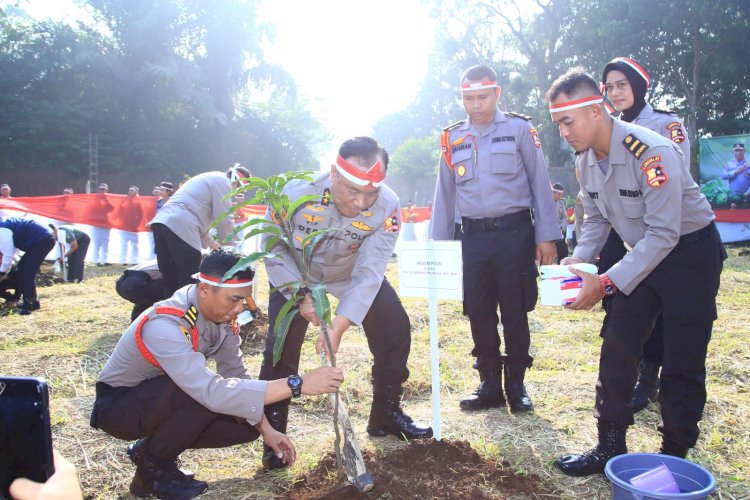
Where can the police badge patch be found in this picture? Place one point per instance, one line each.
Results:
(391, 223)
(675, 132)
(655, 175)
(361, 226)
(535, 137)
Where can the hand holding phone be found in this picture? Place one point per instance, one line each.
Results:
(25, 435)
(62, 485)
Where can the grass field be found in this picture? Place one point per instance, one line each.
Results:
(70, 339)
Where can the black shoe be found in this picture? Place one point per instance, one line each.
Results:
(271, 461)
(647, 389)
(134, 448)
(489, 393)
(163, 479)
(387, 417)
(611, 444)
(673, 449)
(518, 400)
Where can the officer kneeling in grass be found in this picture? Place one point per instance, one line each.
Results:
(156, 387)
(638, 183)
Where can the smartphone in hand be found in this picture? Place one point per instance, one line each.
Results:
(25, 435)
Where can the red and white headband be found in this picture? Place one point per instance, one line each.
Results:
(478, 86)
(233, 283)
(576, 103)
(636, 67)
(374, 176)
(235, 174)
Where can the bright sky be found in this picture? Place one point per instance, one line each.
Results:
(354, 61)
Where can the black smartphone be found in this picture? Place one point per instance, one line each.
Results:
(25, 435)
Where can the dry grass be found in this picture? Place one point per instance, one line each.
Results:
(70, 339)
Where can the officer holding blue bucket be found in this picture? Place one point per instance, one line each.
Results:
(638, 183)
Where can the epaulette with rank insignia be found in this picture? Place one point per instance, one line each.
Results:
(445, 143)
(518, 115)
(635, 146)
(666, 111)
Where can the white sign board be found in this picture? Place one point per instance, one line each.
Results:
(431, 269)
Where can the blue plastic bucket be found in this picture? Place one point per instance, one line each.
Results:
(694, 481)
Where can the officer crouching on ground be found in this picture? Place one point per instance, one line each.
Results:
(156, 387)
(351, 262)
(638, 183)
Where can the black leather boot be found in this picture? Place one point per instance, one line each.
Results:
(489, 393)
(277, 415)
(139, 446)
(647, 388)
(611, 444)
(518, 400)
(674, 449)
(386, 416)
(163, 479)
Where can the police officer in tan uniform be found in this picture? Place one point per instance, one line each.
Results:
(492, 171)
(181, 226)
(626, 83)
(351, 262)
(638, 183)
(156, 387)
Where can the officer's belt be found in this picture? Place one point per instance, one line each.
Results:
(506, 221)
(686, 239)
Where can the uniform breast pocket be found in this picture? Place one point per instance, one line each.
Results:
(463, 165)
(503, 158)
(634, 209)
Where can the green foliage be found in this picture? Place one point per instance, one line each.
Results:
(169, 87)
(278, 231)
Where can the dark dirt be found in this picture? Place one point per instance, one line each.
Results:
(430, 469)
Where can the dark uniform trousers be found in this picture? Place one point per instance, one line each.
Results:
(386, 327)
(499, 270)
(171, 420)
(139, 288)
(177, 260)
(683, 288)
(28, 267)
(76, 259)
(612, 253)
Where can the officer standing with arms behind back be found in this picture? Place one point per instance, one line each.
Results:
(492, 170)
(638, 183)
(626, 84)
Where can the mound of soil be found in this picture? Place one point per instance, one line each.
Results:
(429, 469)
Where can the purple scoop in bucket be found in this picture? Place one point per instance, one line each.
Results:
(658, 480)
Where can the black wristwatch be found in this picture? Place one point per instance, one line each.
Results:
(295, 384)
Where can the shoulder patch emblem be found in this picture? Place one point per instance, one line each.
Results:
(535, 137)
(635, 146)
(361, 226)
(391, 223)
(326, 199)
(675, 132)
(655, 175)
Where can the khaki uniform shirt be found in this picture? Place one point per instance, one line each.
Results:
(351, 261)
(497, 172)
(228, 392)
(649, 198)
(668, 125)
(194, 207)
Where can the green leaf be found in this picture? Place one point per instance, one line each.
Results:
(293, 206)
(245, 262)
(273, 240)
(283, 321)
(320, 302)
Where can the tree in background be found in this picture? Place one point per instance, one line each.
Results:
(415, 165)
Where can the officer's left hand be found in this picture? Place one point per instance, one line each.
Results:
(280, 443)
(546, 252)
(590, 293)
(321, 345)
